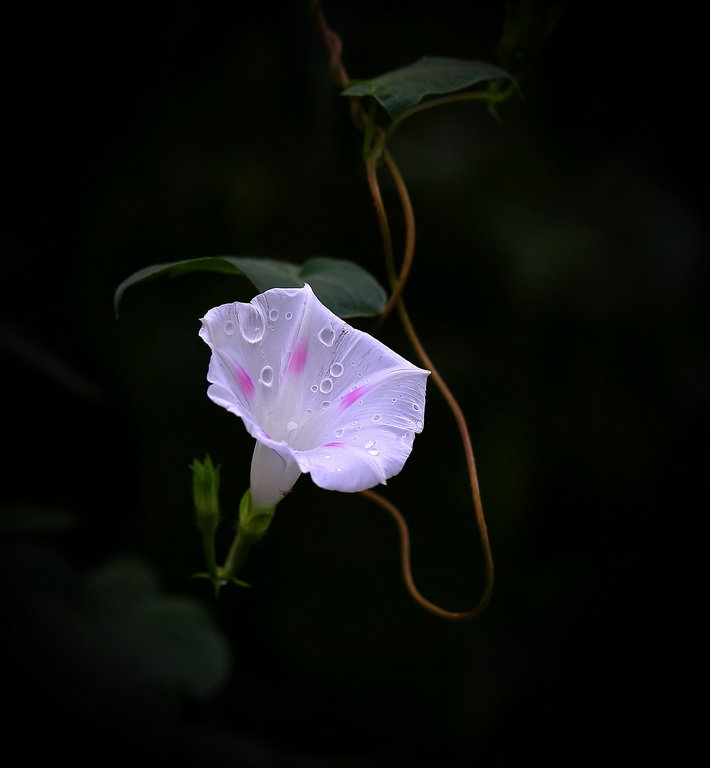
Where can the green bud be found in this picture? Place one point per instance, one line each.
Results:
(205, 491)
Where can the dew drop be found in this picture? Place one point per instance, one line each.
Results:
(288, 315)
(340, 431)
(327, 456)
(291, 426)
(251, 323)
(229, 327)
(420, 424)
(267, 375)
(374, 453)
(291, 291)
(326, 386)
(355, 423)
(309, 411)
(370, 444)
(325, 404)
(416, 407)
(327, 336)
(377, 417)
(336, 370)
(314, 388)
(273, 315)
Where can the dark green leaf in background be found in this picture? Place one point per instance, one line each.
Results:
(401, 89)
(343, 286)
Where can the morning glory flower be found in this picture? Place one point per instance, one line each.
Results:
(317, 395)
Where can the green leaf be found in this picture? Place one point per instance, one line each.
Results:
(401, 89)
(343, 286)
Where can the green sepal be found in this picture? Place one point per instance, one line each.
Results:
(253, 522)
(221, 579)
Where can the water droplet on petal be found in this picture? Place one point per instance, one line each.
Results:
(326, 386)
(374, 453)
(420, 425)
(325, 404)
(273, 315)
(288, 315)
(377, 417)
(327, 336)
(229, 327)
(314, 388)
(336, 370)
(370, 444)
(340, 431)
(251, 323)
(309, 411)
(327, 456)
(416, 407)
(267, 375)
(291, 426)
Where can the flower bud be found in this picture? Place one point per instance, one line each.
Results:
(205, 491)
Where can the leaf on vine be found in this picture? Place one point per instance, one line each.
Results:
(344, 287)
(401, 89)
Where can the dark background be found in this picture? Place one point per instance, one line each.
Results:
(558, 284)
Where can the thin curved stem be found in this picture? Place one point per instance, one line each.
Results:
(386, 234)
(405, 559)
(238, 551)
(397, 282)
(467, 447)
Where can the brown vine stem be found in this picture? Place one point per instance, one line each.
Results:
(451, 401)
(397, 283)
(405, 557)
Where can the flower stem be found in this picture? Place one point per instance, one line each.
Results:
(376, 144)
(440, 383)
(237, 555)
(407, 567)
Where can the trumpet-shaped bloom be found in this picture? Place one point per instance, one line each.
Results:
(318, 395)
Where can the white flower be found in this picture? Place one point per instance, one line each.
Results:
(318, 395)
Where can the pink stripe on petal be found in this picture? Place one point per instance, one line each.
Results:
(333, 445)
(351, 397)
(243, 380)
(297, 361)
